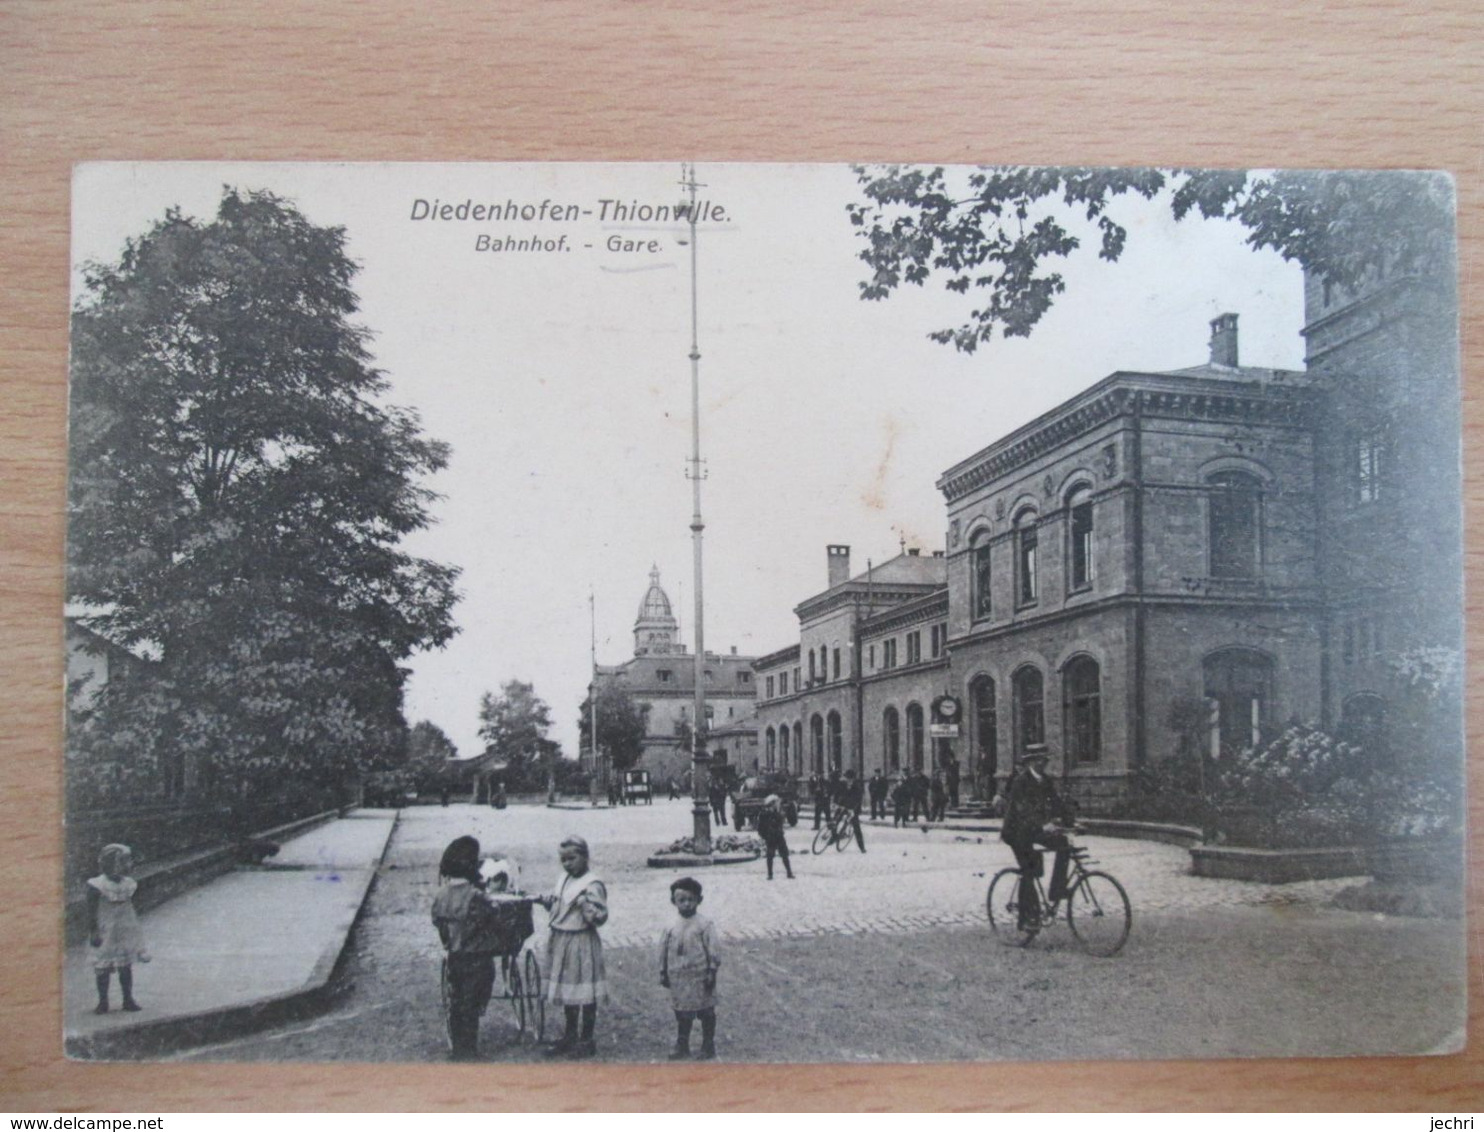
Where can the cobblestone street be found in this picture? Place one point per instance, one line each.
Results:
(907, 880)
(886, 956)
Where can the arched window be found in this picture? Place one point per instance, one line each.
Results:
(914, 736)
(1363, 724)
(835, 748)
(891, 733)
(1235, 524)
(986, 725)
(816, 739)
(981, 600)
(1083, 710)
(771, 749)
(1030, 716)
(1079, 538)
(1239, 695)
(798, 748)
(783, 747)
(1027, 539)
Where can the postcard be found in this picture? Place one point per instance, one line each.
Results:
(762, 613)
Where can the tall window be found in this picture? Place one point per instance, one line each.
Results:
(889, 653)
(979, 557)
(1026, 540)
(816, 743)
(1370, 462)
(914, 736)
(835, 662)
(811, 668)
(872, 657)
(771, 750)
(891, 734)
(1236, 515)
(914, 646)
(768, 687)
(798, 684)
(798, 748)
(986, 724)
(835, 739)
(783, 746)
(783, 683)
(1084, 724)
(1030, 715)
(1079, 508)
(1239, 693)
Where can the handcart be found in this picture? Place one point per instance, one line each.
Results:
(517, 974)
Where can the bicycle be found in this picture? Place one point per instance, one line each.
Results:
(1096, 907)
(838, 830)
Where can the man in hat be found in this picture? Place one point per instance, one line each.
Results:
(1032, 810)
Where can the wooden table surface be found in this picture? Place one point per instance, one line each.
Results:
(1274, 83)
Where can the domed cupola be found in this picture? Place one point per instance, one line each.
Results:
(656, 627)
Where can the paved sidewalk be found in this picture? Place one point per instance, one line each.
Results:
(251, 945)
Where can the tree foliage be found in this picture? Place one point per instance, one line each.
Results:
(621, 725)
(513, 726)
(239, 497)
(999, 233)
(429, 751)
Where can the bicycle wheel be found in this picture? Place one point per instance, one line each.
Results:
(535, 1004)
(1099, 914)
(517, 995)
(445, 1000)
(1002, 904)
(844, 835)
(822, 838)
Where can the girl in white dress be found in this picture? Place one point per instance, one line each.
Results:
(114, 932)
(574, 953)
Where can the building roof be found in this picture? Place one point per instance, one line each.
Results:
(641, 674)
(655, 605)
(897, 579)
(1245, 394)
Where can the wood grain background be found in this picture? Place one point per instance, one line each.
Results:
(1273, 83)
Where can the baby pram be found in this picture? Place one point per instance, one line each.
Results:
(517, 974)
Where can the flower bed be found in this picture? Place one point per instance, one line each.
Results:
(726, 849)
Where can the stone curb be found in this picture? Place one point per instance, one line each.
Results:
(163, 1035)
(676, 861)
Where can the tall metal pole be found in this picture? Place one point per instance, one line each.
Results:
(700, 776)
(599, 778)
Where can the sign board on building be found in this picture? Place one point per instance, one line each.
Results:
(943, 730)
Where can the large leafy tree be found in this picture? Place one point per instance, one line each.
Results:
(621, 725)
(1000, 233)
(239, 498)
(429, 751)
(514, 726)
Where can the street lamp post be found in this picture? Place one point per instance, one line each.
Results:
(700, 776)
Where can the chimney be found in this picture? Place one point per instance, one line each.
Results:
(913, 551)
(734, 650)
(1224, 340)
(839, 560)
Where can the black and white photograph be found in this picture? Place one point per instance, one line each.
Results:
(706, 612)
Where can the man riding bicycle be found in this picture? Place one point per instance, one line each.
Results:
(1033, 809)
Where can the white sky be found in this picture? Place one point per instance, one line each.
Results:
(562, 382)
